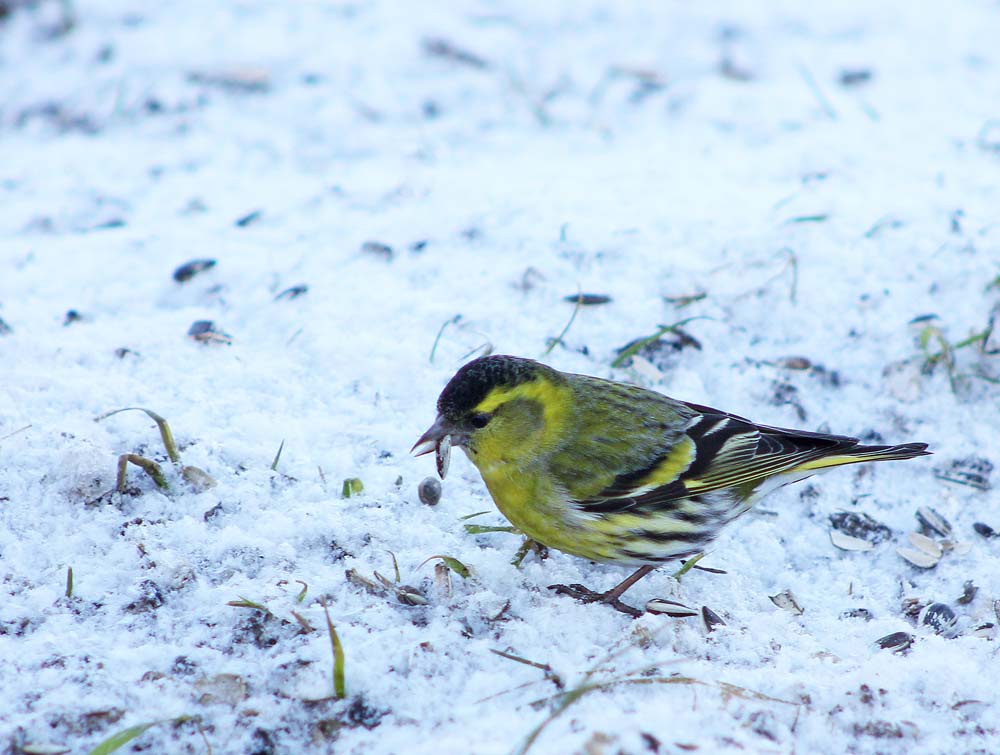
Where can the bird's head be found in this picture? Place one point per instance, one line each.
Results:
(499, 410)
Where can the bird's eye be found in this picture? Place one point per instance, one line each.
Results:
(480, 420)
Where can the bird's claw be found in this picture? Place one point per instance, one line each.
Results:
(586, 595)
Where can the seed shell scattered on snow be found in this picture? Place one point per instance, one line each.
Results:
(711, 619)
(786, 600)
(918, 558)
(897, 642)
(662, 606)
(941, 618)
(859, 525)
(969, 591)
(849, 543)
(933, 521)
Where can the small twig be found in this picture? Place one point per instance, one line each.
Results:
(11, 435)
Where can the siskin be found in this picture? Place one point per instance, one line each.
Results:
(616, 473)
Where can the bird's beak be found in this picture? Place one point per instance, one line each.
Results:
(429, 440)
(438, 438)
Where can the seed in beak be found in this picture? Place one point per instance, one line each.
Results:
(443, 455)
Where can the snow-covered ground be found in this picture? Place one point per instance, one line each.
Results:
(801, 180)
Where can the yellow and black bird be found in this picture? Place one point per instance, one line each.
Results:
(617, 473)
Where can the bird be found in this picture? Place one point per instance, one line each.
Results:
(617, 473)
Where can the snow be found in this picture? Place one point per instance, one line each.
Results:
(586, 146)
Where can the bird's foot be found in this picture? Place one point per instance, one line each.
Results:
(586, 595)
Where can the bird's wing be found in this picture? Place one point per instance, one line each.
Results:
(717, 451)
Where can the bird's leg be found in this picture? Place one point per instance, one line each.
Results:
(611, 597)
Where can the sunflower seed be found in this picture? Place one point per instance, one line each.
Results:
(940, 618)
(897, 642)
(849, 543)
(984, 529)
(931, 520)
(787, 601)
(669, 608)
(190, 269)
(587, 300)
(442, 455)
(711, 619)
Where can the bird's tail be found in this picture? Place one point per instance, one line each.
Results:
(867, 453)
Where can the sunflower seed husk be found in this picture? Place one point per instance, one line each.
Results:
(204, 331)
(918, 558)
(986, 630)
(959, 549)
(711, 619)
(442, 455)
(442, 579)
(355, 578)
(941, 618)
(43, 748)
(897, 642)
(857, 613)
(973, 471)
(849, 543)
(969, 591)
(198, 479)
(933, 521)
(787, 601)
(861, 526)
(928, 545)
(410, 596)
(662, 606)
